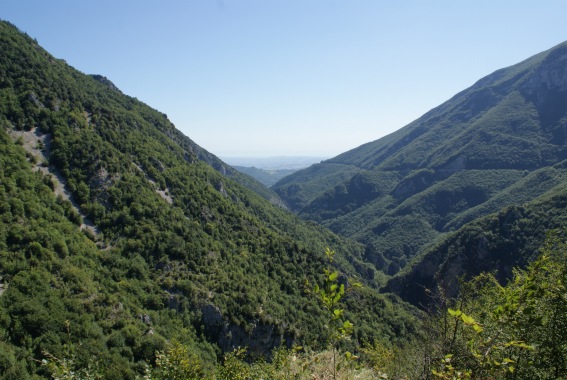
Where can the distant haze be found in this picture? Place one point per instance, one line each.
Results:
(274, 163)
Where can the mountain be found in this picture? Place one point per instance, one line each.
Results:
(267, 177)
(500, 143)
(118, 234)
(497, 243)
(274, 163)
(269, 170)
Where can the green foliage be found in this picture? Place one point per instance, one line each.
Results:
(176, 363)
(378, 357)
(234, 367)
(68, 369)
(497, 242)
(499, 143)
(331, 293)
(173, 236)
(491, 330)
(292, 363)
(512, 331)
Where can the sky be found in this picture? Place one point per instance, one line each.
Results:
(262, 78)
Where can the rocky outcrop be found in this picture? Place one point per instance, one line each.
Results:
(3, 286)
(38, 147)
(497, 243)
(550, 76)
(258, 338)
(35, 100)
(104, 80)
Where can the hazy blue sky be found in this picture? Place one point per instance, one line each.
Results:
(290, 77)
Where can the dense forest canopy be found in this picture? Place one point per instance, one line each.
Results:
(119, 234)
(500, 143)
(126, 250)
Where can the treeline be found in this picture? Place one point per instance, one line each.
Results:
(180, 252)
(490, 330)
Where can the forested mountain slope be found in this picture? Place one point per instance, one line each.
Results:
(118, 234)
(497, 243)
(492, 145)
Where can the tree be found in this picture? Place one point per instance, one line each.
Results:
(330, 293)
(512, 331)
(177, 362)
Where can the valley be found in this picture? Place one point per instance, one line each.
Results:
(497, 144)
(129, 251)
(269, 170)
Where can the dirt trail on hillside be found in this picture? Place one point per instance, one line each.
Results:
(38, 145)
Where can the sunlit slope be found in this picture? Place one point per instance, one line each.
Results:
(461, 160)
(171, 246)
(495, 243)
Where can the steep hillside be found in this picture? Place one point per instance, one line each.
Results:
(490, 146)
(118, 234)
(496, 243)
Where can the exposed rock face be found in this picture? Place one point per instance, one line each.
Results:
(104, 80)
(221, 189)
(2, 286)
(158, 164)
(547, 89)
(38, 145)
(550, 76)
(259, 340)
(146, 319)
(35, 100)
(489, 245)
(276, 201)
(212, 316)
(100, 183)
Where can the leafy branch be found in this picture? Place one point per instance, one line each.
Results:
(331, 292)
